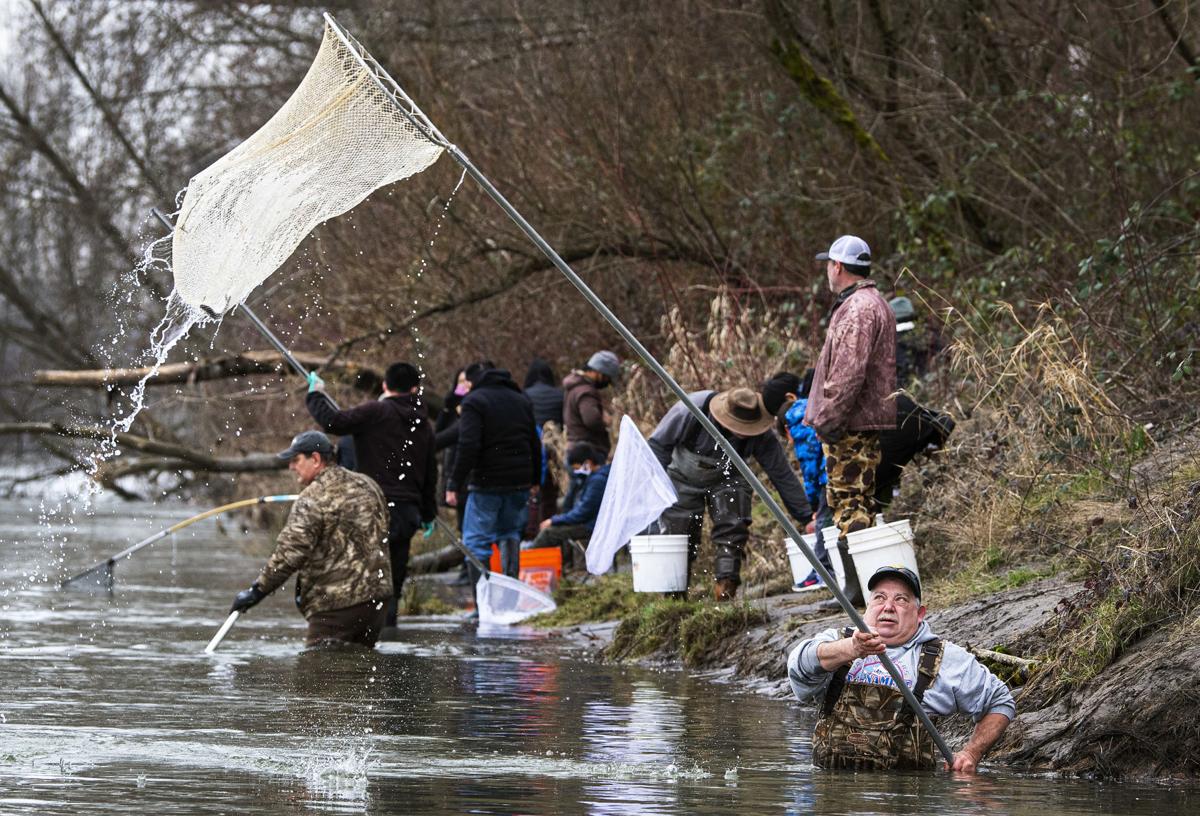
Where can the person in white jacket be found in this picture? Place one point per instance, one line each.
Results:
(864, 722)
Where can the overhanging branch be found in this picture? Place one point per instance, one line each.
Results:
(264, 361)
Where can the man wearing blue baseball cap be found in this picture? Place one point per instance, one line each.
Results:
(335, 541)
(851, 400)
(864, 722)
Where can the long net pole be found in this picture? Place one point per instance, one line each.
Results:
(409, 109)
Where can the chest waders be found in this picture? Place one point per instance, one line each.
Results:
(868, 727)
(709, 482)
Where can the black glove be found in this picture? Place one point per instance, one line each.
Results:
(247, 598)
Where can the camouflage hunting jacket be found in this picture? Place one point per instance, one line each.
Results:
(335, 540)
(856, 372)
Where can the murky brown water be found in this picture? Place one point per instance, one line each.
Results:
(110, 706)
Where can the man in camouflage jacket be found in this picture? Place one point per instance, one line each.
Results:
(851, 399)
(335, 540)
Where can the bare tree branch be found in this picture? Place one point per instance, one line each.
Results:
(265, 361)
(170, 456)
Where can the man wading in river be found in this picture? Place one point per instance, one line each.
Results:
(335, 541)
(864, 722)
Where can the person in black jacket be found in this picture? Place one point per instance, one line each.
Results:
(546, 396)
(547, 399)
(498, 460)
(394, 445)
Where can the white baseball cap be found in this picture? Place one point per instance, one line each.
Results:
(849, 249)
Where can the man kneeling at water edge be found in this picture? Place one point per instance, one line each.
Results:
(335, 539)
(864, 721)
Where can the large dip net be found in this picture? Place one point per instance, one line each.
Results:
(338, 138)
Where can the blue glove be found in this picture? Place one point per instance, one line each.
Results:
(315, 383)
(427, 529)
(247, 598)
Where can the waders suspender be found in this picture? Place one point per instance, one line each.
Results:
(692, 433)
(927, 669)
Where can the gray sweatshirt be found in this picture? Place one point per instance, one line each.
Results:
(765, 449)
(962, 684)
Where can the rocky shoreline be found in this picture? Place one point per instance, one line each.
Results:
(1066, 737)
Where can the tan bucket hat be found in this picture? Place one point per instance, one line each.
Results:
(741, 410)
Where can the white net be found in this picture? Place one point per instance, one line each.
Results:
(505, 601)
(338, 138)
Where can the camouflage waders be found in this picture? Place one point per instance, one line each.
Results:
(868, 727)
(850, 465)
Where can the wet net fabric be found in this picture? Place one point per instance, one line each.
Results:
(338, 138)
(505, 601)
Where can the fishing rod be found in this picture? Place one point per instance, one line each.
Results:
(409, 109)
(102, 573)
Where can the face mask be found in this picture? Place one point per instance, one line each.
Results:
(583, 471)
(461, 389)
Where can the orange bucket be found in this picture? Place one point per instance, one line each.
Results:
(543, 558)
(540, 568)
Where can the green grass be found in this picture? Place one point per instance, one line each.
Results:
(609, 597)
(690, 629)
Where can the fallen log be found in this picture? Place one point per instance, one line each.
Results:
(441, 560)
(266, 361)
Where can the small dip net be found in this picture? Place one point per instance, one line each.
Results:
(505, 601)
(336, 140)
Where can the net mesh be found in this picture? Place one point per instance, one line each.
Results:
(505, 601)
(338, 138)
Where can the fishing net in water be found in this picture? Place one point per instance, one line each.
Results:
(338, 138)
(505, 601)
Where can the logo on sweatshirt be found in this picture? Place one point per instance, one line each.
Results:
(870, 672)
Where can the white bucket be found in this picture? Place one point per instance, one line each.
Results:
(830, 536)
(659, 563)
(880, 546)
(800, 566)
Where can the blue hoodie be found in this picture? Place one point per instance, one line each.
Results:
(587, 505)
(808, 451)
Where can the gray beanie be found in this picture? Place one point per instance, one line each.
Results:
(903, 309)
(606, 363)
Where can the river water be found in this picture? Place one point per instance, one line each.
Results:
(110, 706)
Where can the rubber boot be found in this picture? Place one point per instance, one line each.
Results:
(510, 558)
(725, 589)
(473, 575)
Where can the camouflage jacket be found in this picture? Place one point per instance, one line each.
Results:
(335, 539)
(856, 371)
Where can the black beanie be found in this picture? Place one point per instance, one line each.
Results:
(777, 388)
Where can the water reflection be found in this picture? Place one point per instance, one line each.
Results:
(111, 707)
(644, 732)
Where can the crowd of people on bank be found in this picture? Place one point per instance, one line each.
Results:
(490, 457)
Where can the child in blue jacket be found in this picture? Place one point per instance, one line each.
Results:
(786, 396)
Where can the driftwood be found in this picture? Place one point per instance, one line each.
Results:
(265, 361)
(1012, 669)
(447, 557)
